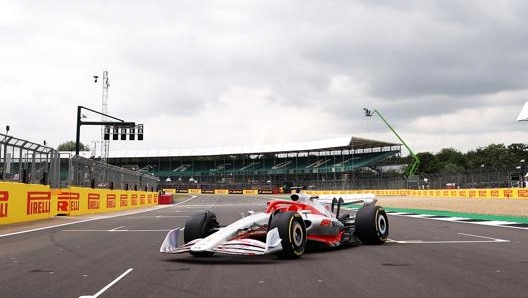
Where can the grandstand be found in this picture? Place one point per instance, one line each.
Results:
(334, 163)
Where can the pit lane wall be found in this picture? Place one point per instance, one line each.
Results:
(21, 202)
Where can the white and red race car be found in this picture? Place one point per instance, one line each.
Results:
(285, 228)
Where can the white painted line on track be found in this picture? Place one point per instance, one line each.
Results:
(453, 219)
(109, 285)
(495, 223)
(445, 242)
(158, 216)
(221, 205)
(427, 216)
(484, 237)
(92, 219)
(416, 215)
(80, 221)
(116, 231)
(486, 240)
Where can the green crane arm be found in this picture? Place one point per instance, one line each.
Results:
(416, 163)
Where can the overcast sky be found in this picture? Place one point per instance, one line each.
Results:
(445, 74)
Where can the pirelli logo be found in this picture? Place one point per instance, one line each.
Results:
(134, 200)
(94, 201)
(4, 199)
(123, 200)
(68, 201)
(523, 193)
(110, 201)
(38, 202)
(142, 199)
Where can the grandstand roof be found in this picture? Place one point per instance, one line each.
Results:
(346, 143)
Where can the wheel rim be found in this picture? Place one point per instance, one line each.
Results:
(382, 225)
(298, 235)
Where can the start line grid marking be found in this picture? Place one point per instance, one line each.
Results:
(93, 219)
(108, 286)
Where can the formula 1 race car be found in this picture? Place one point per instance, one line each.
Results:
(285, 228)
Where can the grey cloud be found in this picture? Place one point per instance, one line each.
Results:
(409, 59)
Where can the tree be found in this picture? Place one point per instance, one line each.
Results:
(428, 163)
(496, 156)
(452, 169)
(518, 151)
(70, 146)
(450, 160)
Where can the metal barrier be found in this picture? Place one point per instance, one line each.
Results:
(28, 162)
(95, 174)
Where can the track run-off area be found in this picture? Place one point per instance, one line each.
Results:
(117, 255)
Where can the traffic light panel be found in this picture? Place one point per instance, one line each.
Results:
(140, 132)
(132, 133)
(123, 133)
(106, 135)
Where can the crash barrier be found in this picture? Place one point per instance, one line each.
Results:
(86, 172)
(196, 191)
(489, 193)
(28, 162)
(21, 202)
(165, 199)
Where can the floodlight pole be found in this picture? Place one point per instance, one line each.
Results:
(416, 163)
(119, 122)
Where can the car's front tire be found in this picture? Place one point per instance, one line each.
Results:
(200, 225)
(292, 232)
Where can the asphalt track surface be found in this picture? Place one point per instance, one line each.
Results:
(119, 257)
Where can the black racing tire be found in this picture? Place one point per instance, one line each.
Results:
(292, 232)
(200, 225)
(372, 225)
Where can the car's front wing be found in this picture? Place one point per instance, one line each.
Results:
(234, 247)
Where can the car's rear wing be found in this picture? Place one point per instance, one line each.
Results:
(347, 199)
(331, 201)
(338, 200)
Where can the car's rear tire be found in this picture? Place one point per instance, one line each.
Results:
(372, 225)
(292, 232)
(200, 225)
